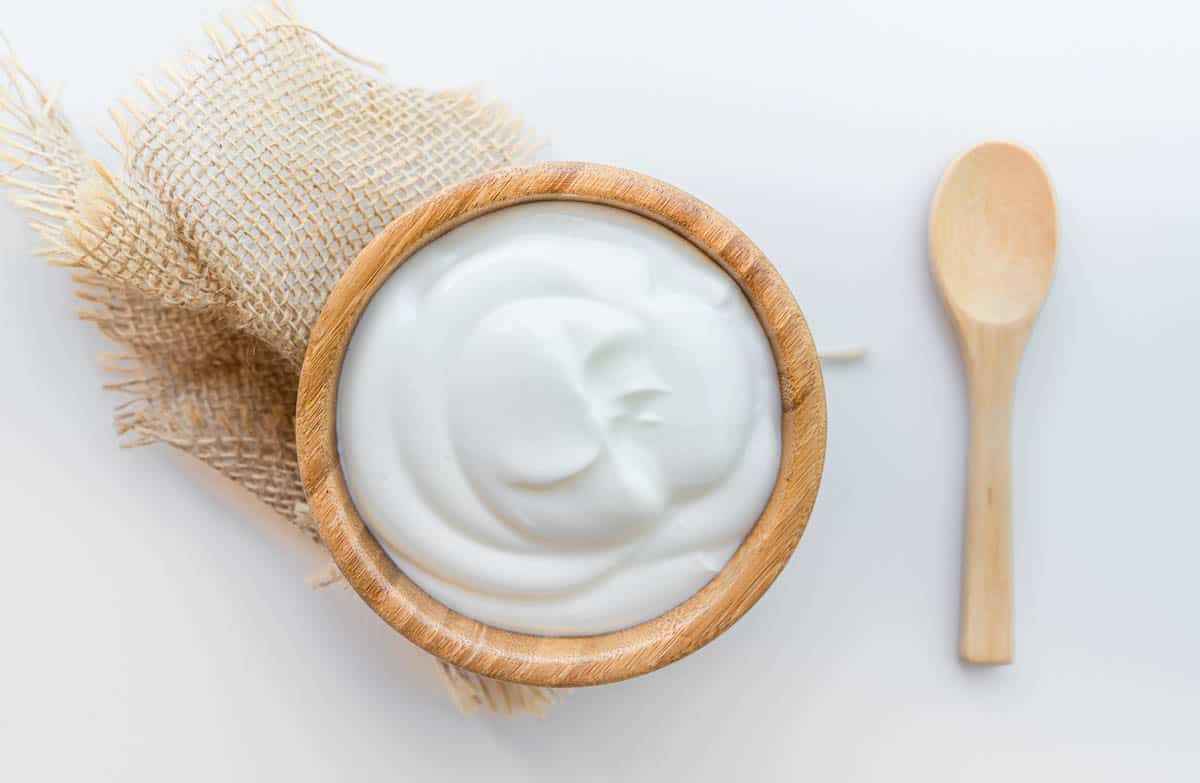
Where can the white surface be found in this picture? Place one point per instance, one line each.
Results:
(187, 646)
(626, 439)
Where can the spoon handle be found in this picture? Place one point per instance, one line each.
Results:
(986, 628)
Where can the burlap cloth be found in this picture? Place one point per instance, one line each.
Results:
(251, 177)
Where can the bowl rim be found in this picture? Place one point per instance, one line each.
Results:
(564, 661)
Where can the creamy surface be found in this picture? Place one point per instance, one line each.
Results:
(559, 418)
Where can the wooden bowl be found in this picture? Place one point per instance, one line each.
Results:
(562, 661)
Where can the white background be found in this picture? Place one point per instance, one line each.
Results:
(187, 646)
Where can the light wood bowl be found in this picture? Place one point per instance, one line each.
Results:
(564, 661)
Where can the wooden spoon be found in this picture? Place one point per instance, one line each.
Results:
(993, 238)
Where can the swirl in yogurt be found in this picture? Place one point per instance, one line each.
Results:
(559, 418)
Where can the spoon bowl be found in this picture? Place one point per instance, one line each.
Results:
(994, 234)
(993, 240)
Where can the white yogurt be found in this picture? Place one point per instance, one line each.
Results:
(559, 418)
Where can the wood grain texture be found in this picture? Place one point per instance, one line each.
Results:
(563, 661)
(993, 238)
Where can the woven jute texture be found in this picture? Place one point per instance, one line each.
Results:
(251, 177)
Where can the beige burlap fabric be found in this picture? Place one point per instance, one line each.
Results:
(251, 177)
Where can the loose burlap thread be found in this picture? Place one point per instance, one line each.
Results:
(251, 177)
